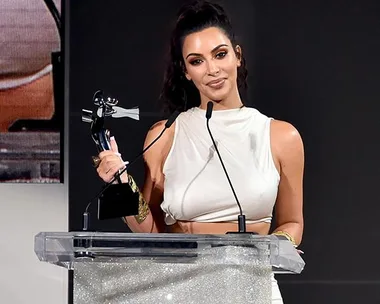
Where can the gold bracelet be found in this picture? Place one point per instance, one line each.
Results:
(287, 235)
(143, 205)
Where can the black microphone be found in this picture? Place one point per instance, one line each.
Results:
(86, 214)
(241, 217)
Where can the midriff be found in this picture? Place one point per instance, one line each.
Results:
(216, 228)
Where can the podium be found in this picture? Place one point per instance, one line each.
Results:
(164, 268)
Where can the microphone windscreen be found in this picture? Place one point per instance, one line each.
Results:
(210, 105)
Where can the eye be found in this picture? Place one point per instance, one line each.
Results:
(195, 62)
(221, 55)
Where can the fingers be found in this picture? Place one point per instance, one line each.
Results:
(108, 174)
(108, 153)
(114, 146)
(110, 163)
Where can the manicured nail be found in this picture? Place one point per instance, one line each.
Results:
(112, 138)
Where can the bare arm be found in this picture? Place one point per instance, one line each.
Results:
(289, 152)
(153, 187)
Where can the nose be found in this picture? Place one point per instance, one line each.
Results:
(212, 68)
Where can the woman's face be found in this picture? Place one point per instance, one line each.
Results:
(211, 63)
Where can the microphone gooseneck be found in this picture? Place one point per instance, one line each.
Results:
(241, 217)
(86, 214)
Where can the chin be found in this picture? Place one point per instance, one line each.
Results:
(217, 100)
(215, 96)
(218, 97)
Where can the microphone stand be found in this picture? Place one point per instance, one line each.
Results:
(241, 217)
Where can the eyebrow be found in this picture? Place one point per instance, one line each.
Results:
(213, 50)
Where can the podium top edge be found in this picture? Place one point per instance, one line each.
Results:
(155, 236)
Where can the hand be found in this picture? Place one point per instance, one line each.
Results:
(110, 163)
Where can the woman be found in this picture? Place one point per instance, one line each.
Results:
(185, 187)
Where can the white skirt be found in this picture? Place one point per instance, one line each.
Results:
(276, 294)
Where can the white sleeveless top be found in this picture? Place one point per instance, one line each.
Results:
(196, 188)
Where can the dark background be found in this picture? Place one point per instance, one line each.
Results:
(313, 63)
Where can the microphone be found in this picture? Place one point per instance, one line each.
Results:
(241, 217)
(121, 187)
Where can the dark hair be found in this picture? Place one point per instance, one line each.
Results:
(179, 93)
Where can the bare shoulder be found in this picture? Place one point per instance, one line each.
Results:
(285, 131)
(159, 150)
(286, 141)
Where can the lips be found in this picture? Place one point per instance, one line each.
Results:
(217, 83)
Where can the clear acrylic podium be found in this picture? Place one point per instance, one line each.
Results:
(137, 268)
